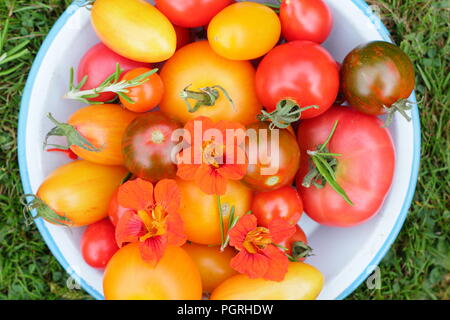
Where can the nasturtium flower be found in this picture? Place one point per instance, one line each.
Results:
(214, 154)
(258, 256)
(153, 218)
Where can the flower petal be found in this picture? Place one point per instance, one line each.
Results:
(254, 265)
(168, 195)
(206, 123)
(280, 230)
(187, 171)
(175, 230)
(152, 249)
(278, 263)
(210, 181)
(238, 233)
(136, 194)
(238, 131)
(129, 228)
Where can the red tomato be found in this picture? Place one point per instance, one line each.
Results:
(305, 20)
(115, 210)
(184, 36)
(364, 168)
(98, 243)
(300, 248)
(146, 96)
(302, 71)
(191, 13)
(284, 203)
(98, 63)
(147, 146)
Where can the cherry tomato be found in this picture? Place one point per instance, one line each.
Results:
(191, 13)
(284, 203)
(244, 31)
(265, 174)
(134, 29)
(364, 169)
(147, 95)
(213, 264)
(98, 63)
(196, 66)
(298, 242)
(115, 210)
(98, 243)
(200, 212)
(302, 282)
(302, 71)
(80, 191)
(305, 20)
(103, 126)
(128, 277)
(147, 146)
(376, 76)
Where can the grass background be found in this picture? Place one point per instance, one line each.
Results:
(416, 267)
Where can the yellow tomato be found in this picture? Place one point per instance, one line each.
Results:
(128, 277)
(197, 66)
(134, 29)
(200, 212)
(244, 31)
(81, 190)
(103, 126)
(213, 264)
(302, 282)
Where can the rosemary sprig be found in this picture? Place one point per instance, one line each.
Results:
(110, 84)
(322, 169)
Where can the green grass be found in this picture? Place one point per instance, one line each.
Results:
(416, 267)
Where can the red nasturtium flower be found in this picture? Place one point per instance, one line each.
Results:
(153, 219)
(258, 256)
(214, 154)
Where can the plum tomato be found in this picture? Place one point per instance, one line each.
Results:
(378, 78)
(270, 169)
(244, 31)
(98, 63)
(98, 243)
(284, 203)
(147, 146)
(191, 13)
(301, 71)
(145, 96)
(213, 264)
(363, 167)
(305, 20)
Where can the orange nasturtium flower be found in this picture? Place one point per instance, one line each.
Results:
(258, 255)
(153, 218)
(214, 154)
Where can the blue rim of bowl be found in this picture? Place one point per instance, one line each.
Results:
(23, 116)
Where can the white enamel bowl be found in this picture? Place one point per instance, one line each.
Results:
(345, 256)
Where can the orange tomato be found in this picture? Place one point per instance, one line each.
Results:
(80, 190)
(103, 126)
(146, 96)
(302, 282)
(196, 66)
(128, 277)
(134, 29)
(213, 264)
(200, 211)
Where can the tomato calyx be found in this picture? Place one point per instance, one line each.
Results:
(110, 84)
(286, 112)
(70, 132)
(401, 106)
(44, 211)
(323, 167)
(300, 250)
(204, 97)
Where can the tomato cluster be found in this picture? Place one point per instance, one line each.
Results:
(177, 230)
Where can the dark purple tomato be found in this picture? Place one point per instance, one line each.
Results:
(377, 76)
(147, 146)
